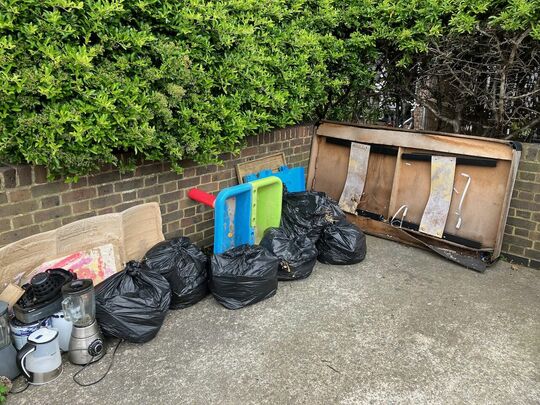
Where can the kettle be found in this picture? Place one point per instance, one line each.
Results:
(40, 359)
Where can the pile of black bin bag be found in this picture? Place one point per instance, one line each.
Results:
(176, 274)
(313, 228)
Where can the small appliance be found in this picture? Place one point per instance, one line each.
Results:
(40, 359)
(8, 354)
(42, 296)
(20, 331)
(64, 327)
(79, 304)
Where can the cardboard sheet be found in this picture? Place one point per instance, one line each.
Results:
(131, 233)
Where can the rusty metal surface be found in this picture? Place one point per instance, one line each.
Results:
(356, 177)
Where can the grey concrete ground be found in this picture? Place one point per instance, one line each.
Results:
(404, 326)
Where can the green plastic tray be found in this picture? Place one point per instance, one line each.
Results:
(266, 205)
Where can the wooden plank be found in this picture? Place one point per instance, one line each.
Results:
(356, 177)
(271, 162)
(315, 141)
(443, 169)
(331, 169)
(460, 145)
(379, 181)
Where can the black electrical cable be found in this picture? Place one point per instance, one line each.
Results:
(90, 362)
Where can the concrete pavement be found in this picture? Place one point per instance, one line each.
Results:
(404, 326)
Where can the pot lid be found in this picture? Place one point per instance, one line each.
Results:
(78, 287)
(3, 308)
(42, 336)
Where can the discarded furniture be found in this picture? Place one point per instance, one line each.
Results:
(445, 192)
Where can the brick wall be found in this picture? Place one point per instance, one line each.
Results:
(29, 204)
(521, 243)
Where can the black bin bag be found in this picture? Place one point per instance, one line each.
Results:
(243, 276)
(297, 254)
(132, 304)
(341, 243)
(184, 266)
(308, 212)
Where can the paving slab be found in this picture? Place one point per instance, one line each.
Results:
(404, 326)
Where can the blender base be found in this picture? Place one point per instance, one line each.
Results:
(86, 344)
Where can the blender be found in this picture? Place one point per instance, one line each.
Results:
(8, 354)
(79, 305)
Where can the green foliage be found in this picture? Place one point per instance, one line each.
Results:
(3, 393)
(82, 82)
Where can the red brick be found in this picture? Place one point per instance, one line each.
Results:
(209, 187)
(150, 191)
(168, 177)
(51, 225)
(172, 207)
(8, 177)
(71, 219)
(52, 213)
(81, 206)
(18, 234)
(108, 210)
(40, 174)
(205, 169)
(51, 201)
(189, 212)
(201, 226)
(205, 179)
(173, 216)
(22, 220)
(172, 186)
(24, 175)
(188, 183)
(150, 181)
(154, 198)
(83, 182)
(107, 201)
(104, 178)
(149, 169)
(126, 205)
(173, 226)
(223, 175)
(185, 222)
(105, 189)
(19, 208)
(19, 195)
(49, 188)
(5, 224)
(78, 195)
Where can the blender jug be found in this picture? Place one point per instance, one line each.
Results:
(79, 302)
(8, 354)
(86, 342)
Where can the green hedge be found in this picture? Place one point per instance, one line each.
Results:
(82, 82)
